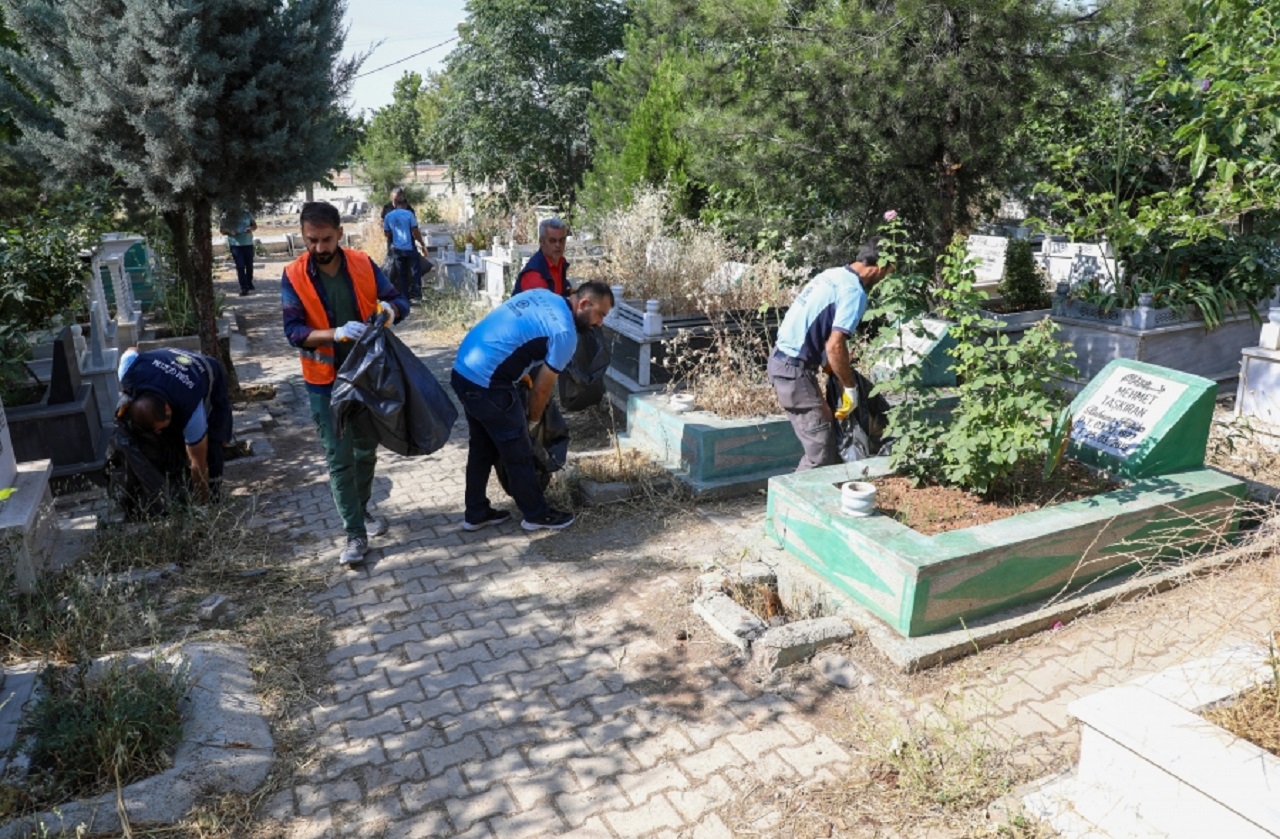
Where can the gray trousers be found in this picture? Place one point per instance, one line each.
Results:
(810, 416)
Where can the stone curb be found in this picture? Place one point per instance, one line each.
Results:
(226, 747)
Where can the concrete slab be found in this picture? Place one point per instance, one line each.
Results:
(226, 747)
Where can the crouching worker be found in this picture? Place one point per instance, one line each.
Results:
(537, 327)
(172, 422)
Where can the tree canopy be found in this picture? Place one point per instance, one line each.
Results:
(184, 106)
(514, 109)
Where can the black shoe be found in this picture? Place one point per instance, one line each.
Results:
(244, 292)
(550, 520)
(491, 517)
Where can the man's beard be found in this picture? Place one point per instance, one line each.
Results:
(324, 258)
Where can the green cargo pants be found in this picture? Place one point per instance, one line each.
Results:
(351, 458)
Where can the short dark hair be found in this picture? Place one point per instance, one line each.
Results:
(320, 213)
(869, 253)
(146, 409)
(596, 289)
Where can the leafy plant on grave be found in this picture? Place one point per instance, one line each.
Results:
(1022, 287)
(1006, 394)
(94, 728)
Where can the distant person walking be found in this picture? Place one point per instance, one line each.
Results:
(814, 333)
(238, 226)
(547, 268)
(404, 239)
(327, 295)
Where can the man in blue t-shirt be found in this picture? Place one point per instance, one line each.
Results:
(815, 332)
(401, 227)
(535, 329)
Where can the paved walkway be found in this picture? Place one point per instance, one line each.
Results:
(497, 684)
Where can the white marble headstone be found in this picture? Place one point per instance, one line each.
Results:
(989, 251)
(8, 462)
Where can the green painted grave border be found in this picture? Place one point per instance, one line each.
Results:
(921, 584)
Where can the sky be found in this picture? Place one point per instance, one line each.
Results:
(404, 27)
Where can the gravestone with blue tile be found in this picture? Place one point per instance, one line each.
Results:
(1138, 420)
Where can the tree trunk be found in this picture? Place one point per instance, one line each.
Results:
(193, 258)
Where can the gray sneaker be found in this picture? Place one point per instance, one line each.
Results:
(353, 553)
(374, 524)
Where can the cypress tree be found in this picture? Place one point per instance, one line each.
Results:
(184, 104)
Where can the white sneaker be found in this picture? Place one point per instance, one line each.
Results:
(374, 524)
(354, 552)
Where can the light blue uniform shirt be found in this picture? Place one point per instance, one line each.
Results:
(534, 327)
(833, 300)
(400, 224)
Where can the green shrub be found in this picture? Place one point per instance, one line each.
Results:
(94, 728)
(1022, 286)
(1006, 390)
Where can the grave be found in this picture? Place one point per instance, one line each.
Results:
(1076, 263)
(1154, 335)
(711, 455)
(1152, 765)
(65, 426)
(989, 252)
(1258, 390)
(921, 584)
(924, 341)
(27, 527)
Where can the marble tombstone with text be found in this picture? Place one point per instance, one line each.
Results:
(1138, 420)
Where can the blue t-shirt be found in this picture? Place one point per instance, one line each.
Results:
(833, 300)
(400, 224)
(535, 327)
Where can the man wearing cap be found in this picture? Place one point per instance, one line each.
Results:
(816, 331)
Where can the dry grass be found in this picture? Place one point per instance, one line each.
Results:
(724, 368)
(223, 549)
(373, 241)
(686, 266)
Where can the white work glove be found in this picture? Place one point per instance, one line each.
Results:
(349, 331)
(386, 313)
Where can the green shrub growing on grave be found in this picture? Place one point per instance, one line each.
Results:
(1006, 390)
(1022, 286)
(93, 729)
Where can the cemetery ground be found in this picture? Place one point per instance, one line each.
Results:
(494, 684)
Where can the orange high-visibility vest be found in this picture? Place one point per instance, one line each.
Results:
(318, 362)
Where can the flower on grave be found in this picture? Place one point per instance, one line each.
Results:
(890, 215)
(1205, 84)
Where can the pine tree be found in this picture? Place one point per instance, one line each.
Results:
(185, 105)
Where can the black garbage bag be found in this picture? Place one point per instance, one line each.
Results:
(388, 389)
(391, 267)
(550, 443)
(581, 385)
(426, 266)
(861, 434)
(147, 474)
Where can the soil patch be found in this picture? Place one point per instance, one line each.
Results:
(937, 509)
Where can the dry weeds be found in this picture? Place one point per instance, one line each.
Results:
(686, 266)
